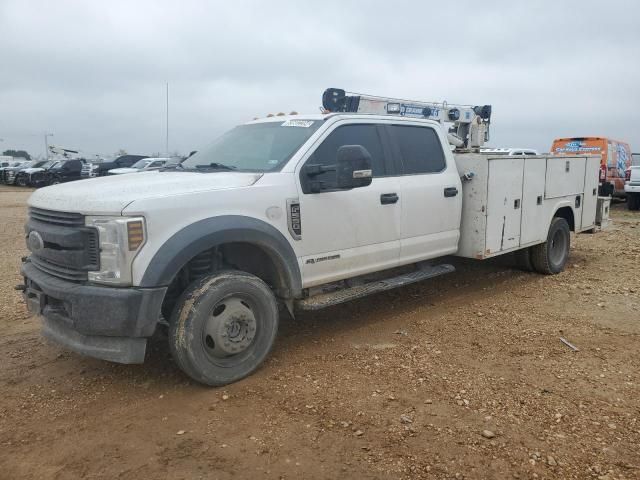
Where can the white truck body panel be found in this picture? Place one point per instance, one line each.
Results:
(509, 202)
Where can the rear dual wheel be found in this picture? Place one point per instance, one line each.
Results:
(223, 327)
(551, 256)
(633, 201)
(523, 259)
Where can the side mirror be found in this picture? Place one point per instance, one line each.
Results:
(353, 168)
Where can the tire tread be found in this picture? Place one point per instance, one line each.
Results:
(540, 252)
(188, 304)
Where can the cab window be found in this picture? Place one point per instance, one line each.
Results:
(366, 135)
(419, 149)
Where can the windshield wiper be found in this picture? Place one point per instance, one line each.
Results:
(216, 166)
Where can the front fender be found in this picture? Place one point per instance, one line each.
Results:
(210, 232)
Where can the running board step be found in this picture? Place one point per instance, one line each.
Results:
(324, 300)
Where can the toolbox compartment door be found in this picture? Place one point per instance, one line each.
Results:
(504, 204)
(534, 213)
(591, 180)
(565, 176)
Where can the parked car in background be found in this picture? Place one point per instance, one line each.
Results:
(615, 159)
(64, 171)
(10, 165)
(632, 188)
(143, 165)
(31, 176)
(8, 175)
(98, 169)
(5, 160)
(174, 162)
(509, 151)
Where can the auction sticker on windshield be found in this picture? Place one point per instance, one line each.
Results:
(298, 123)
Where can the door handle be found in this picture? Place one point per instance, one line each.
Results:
(388, 198)
(450, 192)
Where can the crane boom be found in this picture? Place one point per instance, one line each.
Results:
(470, 124)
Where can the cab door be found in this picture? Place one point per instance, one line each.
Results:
(346, 233)
(431, 192)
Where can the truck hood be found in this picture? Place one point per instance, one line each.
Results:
(32, 170)
(118, 171)
(110, 195)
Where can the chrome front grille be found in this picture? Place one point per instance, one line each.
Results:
(87, 170)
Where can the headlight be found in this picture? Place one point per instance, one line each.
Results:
(120, 240)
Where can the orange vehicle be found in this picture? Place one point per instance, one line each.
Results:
(616, 159)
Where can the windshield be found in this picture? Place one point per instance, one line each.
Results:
(141, 164)
(259, 147)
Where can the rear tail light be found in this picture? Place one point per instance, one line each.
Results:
(627, 175)
(603, 173)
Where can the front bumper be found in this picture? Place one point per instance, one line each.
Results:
(102, 322)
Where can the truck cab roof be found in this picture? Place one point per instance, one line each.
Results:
(339, 115)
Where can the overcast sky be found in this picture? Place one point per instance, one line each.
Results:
(93, 73)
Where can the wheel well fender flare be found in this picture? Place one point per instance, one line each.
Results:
(562, 210)
(211, 232)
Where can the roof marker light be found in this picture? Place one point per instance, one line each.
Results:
(393, 108)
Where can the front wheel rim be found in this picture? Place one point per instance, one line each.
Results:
(230, 330)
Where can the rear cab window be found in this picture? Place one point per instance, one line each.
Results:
(419, 149)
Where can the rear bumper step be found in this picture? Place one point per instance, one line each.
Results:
(324, 300)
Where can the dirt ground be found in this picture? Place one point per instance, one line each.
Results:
(399, 385)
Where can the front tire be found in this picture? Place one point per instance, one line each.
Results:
(223, 326)
(551, 256)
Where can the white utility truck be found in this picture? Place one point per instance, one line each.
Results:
(304, 211)
(632, 188)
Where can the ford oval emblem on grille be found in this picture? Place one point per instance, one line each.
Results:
(34, 241)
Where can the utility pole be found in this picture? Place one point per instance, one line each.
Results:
(46, 145)
(167, 135)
